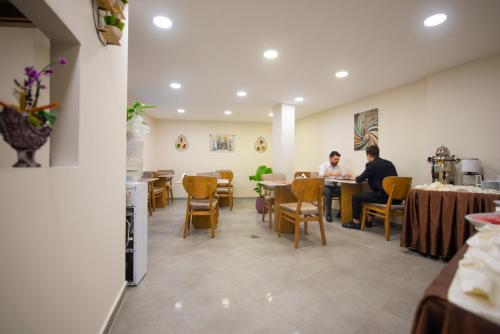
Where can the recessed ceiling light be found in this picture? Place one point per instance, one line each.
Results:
(435, 20)
(271, 114)
(341, 74)
(299, 99)
(270, 54)
(162, 22)
(181, 111)
(241, 93)
(175, 85)
(228, 112)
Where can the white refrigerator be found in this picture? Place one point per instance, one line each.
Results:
(136, 232)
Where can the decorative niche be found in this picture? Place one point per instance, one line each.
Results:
(109, 20)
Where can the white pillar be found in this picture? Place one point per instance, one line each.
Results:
(283, 140)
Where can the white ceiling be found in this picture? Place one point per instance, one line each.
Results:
(215, 48)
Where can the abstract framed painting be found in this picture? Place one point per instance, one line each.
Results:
(221, 143)
(365, 129)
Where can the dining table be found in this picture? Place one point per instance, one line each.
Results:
(282, 194)
(348, 188)
(434, 221)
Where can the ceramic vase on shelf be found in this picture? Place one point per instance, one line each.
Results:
(22, 136)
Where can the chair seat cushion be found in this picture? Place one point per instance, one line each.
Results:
(223, 190)
(202, 204)
(399, 207)
(306, 208)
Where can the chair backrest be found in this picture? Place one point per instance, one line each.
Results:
(165, 172)
(214, 174)
(274, 177)
(314, 174)
(200, 187)
(299, 174)
(396, 187)
(148, 174)
(226, 174)
(308, 190)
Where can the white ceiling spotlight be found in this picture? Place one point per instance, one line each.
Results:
(181, 111)
(341, 74)
(271, 114)
(175, 85)
(228, 112)
(299, 99)
(162, 22)
(435, 20)
(270, 54)
(241, 93)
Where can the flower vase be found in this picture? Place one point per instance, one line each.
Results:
(23, 136)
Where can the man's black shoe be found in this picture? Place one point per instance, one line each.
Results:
(368, 224)
(352, 226)
(338, 214)
(329, 218)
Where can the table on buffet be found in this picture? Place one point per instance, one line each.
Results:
(436, 314)
(434, 221)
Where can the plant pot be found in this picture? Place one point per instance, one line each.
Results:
(111, 34)
(22, 136)
(259, 204)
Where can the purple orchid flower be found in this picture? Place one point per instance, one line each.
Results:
(63, 61)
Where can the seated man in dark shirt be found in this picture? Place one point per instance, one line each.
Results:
(376, 170)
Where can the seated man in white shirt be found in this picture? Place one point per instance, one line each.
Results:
(331, 168)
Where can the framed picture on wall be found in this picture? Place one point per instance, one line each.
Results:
(221, 143)
(365, 129)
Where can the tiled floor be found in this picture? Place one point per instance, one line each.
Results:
(236, 283)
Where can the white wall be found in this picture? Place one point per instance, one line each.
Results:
(459, 108)
(26, 46)
(62, 240)
(243, 162)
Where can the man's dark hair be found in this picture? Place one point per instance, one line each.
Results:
(373, 151)
(334, 154)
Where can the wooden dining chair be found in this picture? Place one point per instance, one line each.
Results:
(269, 197)
(160, 190)
(309, 207)
(225, 190)
(151, 197)
(170, 186)
(396, 187)
(201, 200)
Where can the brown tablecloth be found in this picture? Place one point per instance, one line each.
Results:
(435, 314)
(434, 221)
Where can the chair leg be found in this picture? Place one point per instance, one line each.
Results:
(305, 228)
(231, 201)
(363, 219)
(186, 223)
(212, 224)
(296, 234)
(278, 223)
(264, 212)
(387, 226)
(270, 216)
(322, 230)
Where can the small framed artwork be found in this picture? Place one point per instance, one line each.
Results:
(181, 144)
(221, 143)
(365, 129)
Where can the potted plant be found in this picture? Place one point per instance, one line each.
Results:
(27, 127)
(259, 201)
(135, 143)
(112, 30)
